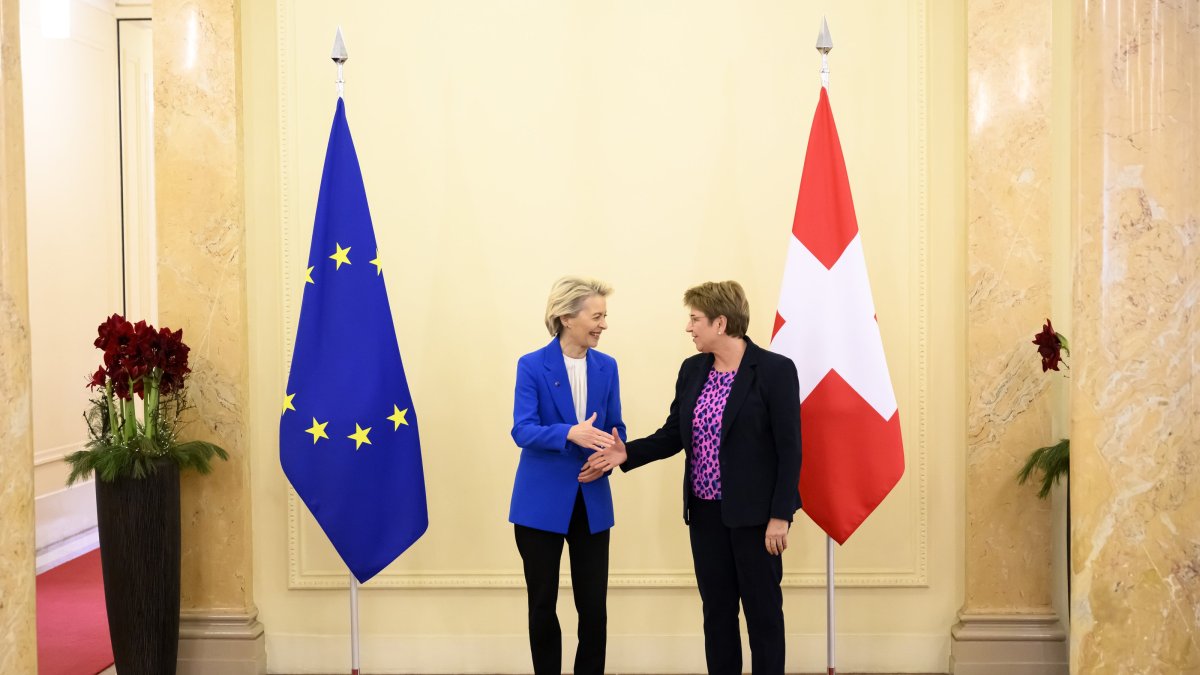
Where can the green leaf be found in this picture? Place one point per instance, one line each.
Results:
(127, 450)
(1052, 462)
(198, 455)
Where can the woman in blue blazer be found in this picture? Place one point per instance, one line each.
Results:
(567, 393)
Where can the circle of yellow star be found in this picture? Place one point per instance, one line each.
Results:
(317, 430)
(340, 256)
(398, 416)
(360, 436)
(287, 402)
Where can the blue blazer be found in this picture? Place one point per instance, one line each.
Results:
(548, 475)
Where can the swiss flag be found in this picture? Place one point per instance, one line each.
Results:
(849, 424)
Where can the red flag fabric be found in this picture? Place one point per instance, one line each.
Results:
(849, 422)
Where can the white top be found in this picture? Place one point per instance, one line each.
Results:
(577, 374)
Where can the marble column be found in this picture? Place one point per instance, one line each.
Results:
(1007, 624)
(1135, 413)
(202, 289)
(18, 626)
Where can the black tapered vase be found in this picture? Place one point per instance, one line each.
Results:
(138, 520)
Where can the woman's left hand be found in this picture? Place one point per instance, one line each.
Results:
(777, 531)
(589, 473)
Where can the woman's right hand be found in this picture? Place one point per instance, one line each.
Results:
(587, 436)
(607, 460)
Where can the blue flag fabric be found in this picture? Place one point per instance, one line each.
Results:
(348, 438)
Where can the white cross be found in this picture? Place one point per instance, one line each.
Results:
(830, 325)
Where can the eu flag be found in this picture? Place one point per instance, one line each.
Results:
(348, 436)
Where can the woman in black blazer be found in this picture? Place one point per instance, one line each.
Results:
(736, 415)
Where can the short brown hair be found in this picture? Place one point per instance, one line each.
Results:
(567, 296)
(721, 298)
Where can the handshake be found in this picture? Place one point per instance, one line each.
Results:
(608, 449)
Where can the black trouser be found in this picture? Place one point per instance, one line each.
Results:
(541, 552)
(732, 564)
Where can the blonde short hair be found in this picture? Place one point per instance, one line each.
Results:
(567, 296)
(721, 298)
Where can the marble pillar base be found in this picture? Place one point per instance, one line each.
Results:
(1008, 644)
(221, 644)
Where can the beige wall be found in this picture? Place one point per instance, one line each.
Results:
(82, 265)
(137, 162)
(654, 146)
(18, 626)
(74, 217)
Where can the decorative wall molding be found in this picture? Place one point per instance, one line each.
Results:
(52, 455)
(138, 218)
(919, 62)
(912, 574)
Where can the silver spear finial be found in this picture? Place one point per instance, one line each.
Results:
(339, 56)
(824, 45)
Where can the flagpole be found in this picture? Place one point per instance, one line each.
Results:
(824, 46)
(354, 626)
(339, 56)
(830, 632)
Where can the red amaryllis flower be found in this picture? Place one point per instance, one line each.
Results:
(120, 380)
(1050, 347)
(145, 344)
(97, 378)
(134, 352)
(173, 359)
(109, 329)
(117, 339)
(144, 356)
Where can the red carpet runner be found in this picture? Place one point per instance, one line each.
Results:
(72, 626)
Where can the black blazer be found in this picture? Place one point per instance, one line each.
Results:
(760, 436)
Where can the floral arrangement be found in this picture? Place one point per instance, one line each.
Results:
(1053, 461)
(152, 365)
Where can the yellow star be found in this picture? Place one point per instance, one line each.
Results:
(398, 416)
(308, 276)
(287, 402)
(340, 256)
(317, 430)
(360, 436)
(378, 265)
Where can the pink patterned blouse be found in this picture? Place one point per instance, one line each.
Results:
(706, 434)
